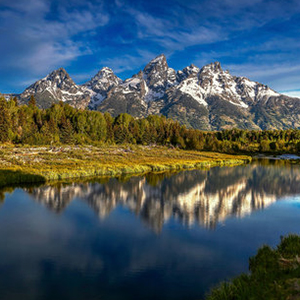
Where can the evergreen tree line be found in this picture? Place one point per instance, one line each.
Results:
(63, 124)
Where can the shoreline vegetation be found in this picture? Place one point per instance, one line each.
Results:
(274, 274)
(27, 164)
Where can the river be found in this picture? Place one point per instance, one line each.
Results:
(159, 236)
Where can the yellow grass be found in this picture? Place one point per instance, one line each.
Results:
(32, 164)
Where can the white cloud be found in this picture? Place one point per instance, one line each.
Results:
(83, 20)
(295, 94)
(279, 76)
(38, 43)
(51, 55)
(172, 34)
(264, 70)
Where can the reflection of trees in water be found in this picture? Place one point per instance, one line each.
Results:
(3, 192)
(201, 196)
(2, 197)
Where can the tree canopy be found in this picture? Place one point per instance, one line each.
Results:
(63, 124)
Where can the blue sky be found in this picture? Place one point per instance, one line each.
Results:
(259, 39)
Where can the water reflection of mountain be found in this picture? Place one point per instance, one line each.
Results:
(204, 197)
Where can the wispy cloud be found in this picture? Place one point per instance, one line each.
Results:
(51, 55)
(198, 23)
(255, 38)
(172, 35)
(278, 76)
(295, 94)
(38, 42)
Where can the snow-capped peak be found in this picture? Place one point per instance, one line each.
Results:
(104, 80)
(191, 70)
(158, 59)
(214, 81)
(213, 67)
(58, 71)
(56, 86)
(104, 72)
(156, 65)
(58, 79)
(100, 85)
(158, 76)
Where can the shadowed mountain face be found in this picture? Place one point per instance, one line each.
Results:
(208, 98)
(200, 196)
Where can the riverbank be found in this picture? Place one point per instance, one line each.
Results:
(274, 274)
(41, 164)
(287, 156)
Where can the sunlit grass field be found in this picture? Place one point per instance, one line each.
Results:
(34, 164)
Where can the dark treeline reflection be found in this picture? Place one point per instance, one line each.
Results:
(205, 197)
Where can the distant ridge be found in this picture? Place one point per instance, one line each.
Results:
(208, 98)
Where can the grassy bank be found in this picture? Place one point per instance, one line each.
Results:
(36, 164)
(274, 274)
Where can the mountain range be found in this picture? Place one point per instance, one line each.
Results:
(208, 98)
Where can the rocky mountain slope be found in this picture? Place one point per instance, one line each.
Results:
(208, 98)
(55, 87)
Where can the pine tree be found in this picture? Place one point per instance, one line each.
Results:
(32, 102)
(67, 133)
(15, 99)
(109, 127)
(5, 123)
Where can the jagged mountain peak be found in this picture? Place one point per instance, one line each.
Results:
(214, 67)
(158, 64)
(104, 79)
(161, 58)
(60, 73)
(56, 86)
(187, 71)
(158, 76)
(105, 71)
(57, 79)
(60, 70)
(100, 85)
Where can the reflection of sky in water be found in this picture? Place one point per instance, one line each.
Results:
(141, 248)
(291, 201)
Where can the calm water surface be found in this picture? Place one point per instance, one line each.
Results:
(169, 236)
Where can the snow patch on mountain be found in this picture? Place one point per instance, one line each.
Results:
(191, 70)
(264, 91)
(131, 83)
(171, 78)
(191, 87)
(56, 86)
(215, 81)
(152, 95)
